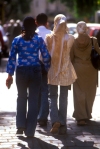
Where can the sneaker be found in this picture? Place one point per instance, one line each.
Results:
(55, 128)
(62, 130)
(30, 137)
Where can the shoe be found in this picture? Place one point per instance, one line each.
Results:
(62, 130)
(30, 137)
(20, 130)
(55, 128)
(81, 122)
(42, 123)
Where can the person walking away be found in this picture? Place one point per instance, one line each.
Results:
(84, 88)
(28, 75)
(96, 34)
(42, 30)
(2, 46)
(61, 72)
(16, 28)
(10, 28)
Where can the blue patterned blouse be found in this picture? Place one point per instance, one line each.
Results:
(28, 53)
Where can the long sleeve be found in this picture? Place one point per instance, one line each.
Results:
(96, 45)
(12, 58)
(45, 54)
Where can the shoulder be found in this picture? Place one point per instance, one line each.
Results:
(37, 36)
(38, 39)
(94, 38)
(17, 38)
(49, 35)
(48, 31)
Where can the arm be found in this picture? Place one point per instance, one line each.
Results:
(96, 45)
(45, 54)
(12, 58)
(11, 64)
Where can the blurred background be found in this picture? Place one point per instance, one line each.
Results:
(75, 10)
(12, 13)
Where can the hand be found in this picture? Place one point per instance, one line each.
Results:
(9, 81)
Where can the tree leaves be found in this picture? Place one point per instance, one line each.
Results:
(16, 8)
(82, 7)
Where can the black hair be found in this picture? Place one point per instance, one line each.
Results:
(28, 28)
(42, 19)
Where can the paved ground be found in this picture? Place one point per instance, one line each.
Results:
(87, 137)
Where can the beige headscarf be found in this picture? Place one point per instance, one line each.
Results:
(59, 32)
(83, 39)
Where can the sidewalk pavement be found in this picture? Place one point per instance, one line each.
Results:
(78, 137)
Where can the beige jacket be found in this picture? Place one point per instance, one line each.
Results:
(65, 74)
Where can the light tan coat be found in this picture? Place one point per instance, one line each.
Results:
(59, 44)
(66, 74)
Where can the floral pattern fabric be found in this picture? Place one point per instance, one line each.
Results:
(28, 53)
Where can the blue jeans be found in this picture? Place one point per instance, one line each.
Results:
(28, 77)
(58, 112)
(43, 99)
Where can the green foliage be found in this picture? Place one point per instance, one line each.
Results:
(82, 8)
(16, 9)
(69, 3)
(51, 1)
(86, 7)
(24, 5)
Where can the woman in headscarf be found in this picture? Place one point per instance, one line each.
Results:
(84, 88)
(61, 72)
(28, 74)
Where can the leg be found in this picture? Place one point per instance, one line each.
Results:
(54, 109)
(54, 106)
(63, 108)
(44, 105)
(21, 83)
(34, 88)
(63, 104)
(80, 113)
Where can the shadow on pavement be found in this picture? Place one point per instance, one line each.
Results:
(36, 143)
(79, 137)
(7, 118)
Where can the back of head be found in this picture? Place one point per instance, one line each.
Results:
(12, 21)
(18, 21)
(41, 19)
(81, 27)
(60, 23)
(28, 28)
(83, 38)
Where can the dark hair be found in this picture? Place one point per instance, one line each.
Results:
(42, 18)
(28, 28)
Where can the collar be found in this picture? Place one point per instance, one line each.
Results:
(41, 27)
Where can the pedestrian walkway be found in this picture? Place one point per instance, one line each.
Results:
(78, 137)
